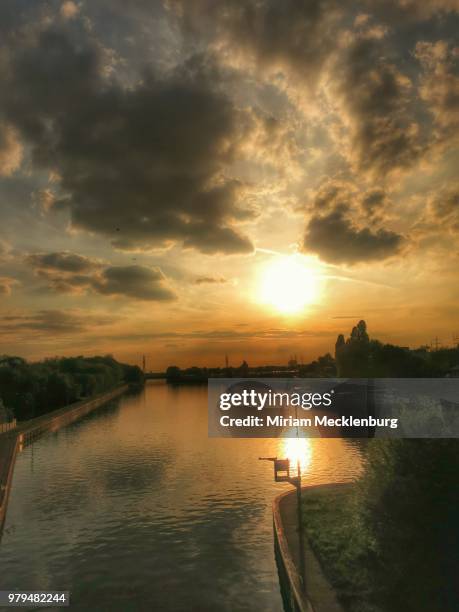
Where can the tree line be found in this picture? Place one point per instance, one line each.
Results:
(28, 390)
(359, 356)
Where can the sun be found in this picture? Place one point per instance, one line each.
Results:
(288, 284)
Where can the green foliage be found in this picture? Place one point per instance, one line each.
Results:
(133, 375)
(335, 534)
(32, 389)
(409, 505)
(391, 542)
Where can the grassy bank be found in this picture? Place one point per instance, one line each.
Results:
(331, 526)
(390, 542)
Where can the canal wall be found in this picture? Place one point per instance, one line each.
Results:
(316, 595)
(27, 431)
(9, 445)
(291, 583)
(52, 421)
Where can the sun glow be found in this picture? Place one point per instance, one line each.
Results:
(288, 284)
(298, 449)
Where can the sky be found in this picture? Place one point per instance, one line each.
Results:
(189, 179)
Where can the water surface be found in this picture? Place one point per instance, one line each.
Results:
(134, 508)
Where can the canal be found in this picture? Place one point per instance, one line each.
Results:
(134, 508)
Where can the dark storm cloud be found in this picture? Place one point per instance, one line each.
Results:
(336, 228)
(374, 201)
(293, 34)
(138, 282)
(146, 162)
(446, 202)
(358, 56)
(443, 208)
(376, 100)
(337, 240)
(335, 194)
(62, 261)
(210, 239)
(144, 166)
(72, 273)
(439, 86)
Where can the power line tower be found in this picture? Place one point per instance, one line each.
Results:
(143, 363)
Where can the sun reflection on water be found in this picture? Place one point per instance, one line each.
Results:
(297, 449)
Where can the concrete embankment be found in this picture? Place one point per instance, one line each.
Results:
(313, 593)
(27, 431)
(9, 444)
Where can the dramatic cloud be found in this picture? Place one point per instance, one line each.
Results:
(440, 82)
(184, 129)
(311, 45)
(293, 35)
(375, 103)
(374, 202)
(71, 273)
(333, 194)
(145, 165)
(138, 282)
(337, 240)
(336, 229)
(443, 206)
(62, 261)
(344, 196)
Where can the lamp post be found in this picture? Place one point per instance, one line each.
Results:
(282, 474)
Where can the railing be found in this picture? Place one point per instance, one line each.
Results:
(4, 427)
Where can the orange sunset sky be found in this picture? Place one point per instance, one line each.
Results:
(187, 179)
